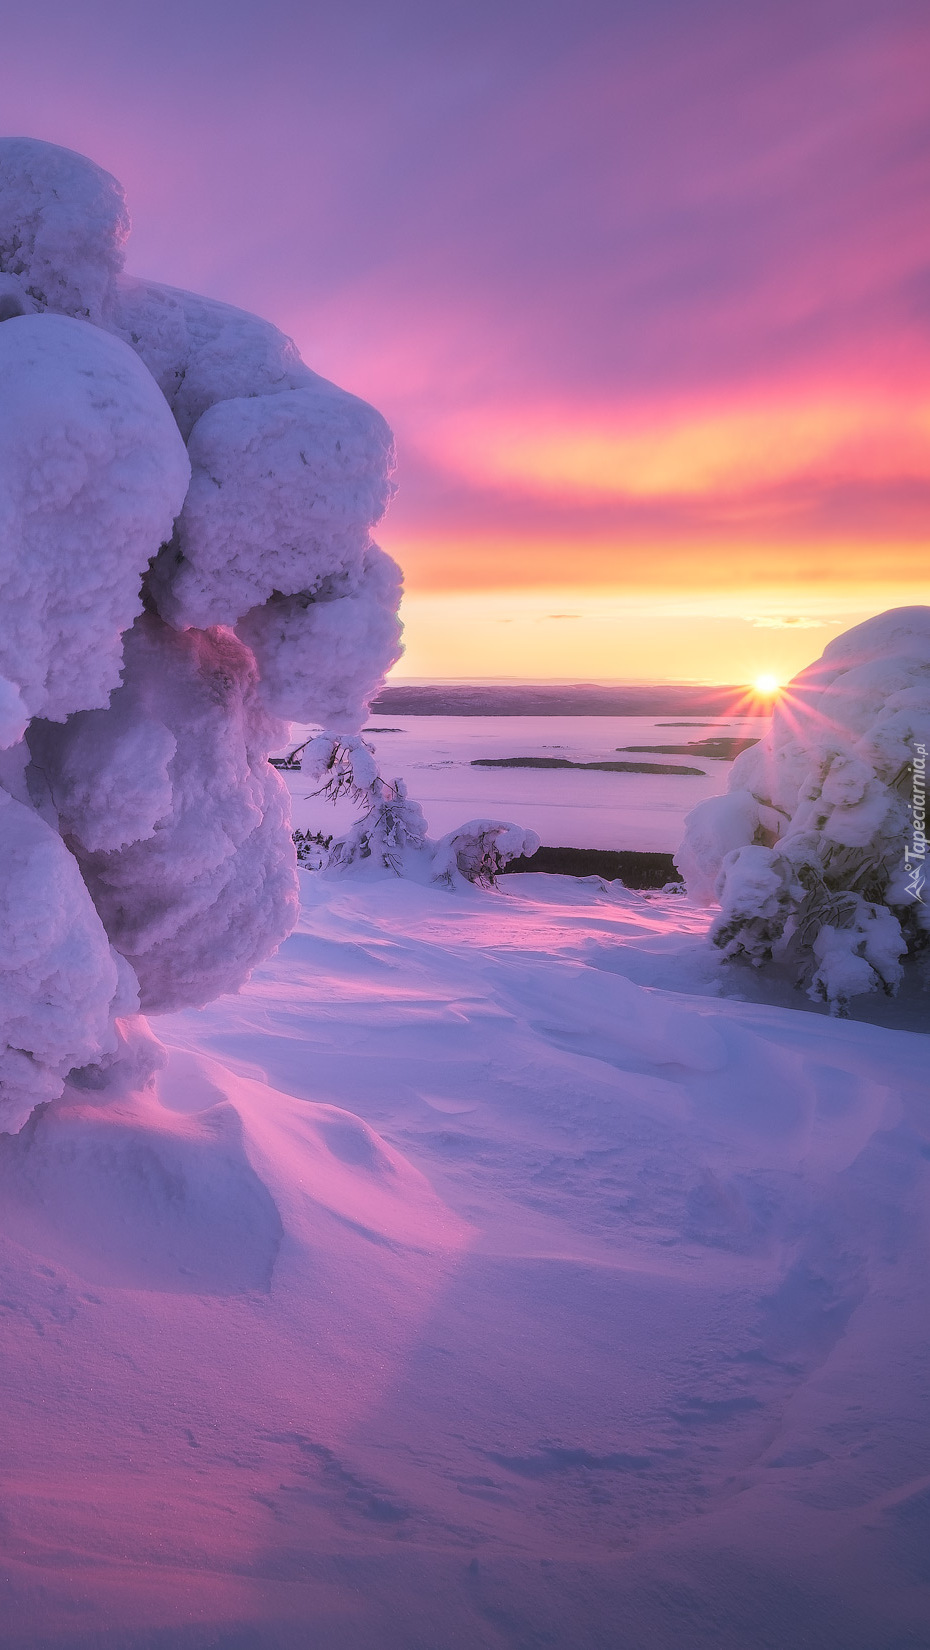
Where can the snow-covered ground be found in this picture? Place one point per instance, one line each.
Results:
(565, 807)
(482, 1278)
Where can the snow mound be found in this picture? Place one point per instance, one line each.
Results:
(134, 725)
(138, 1197)
(610, 1018)
(349, 1180)
(816, 852)
(165, 1173)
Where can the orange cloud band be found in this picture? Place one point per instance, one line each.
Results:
(734, 450)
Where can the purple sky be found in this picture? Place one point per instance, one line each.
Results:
(644, 288)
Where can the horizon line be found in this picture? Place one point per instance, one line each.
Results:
(559, 681)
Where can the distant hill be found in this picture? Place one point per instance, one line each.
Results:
(558, 699)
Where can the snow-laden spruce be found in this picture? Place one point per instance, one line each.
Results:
(814, 853)
(390, 835)
(186, 563)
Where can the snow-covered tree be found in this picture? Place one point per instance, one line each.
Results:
(479, 850)
(186, 563)
(391, 834)
(815, 853)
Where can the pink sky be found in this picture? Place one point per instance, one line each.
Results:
(645, 290)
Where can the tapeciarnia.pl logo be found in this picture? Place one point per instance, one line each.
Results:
(916, 852)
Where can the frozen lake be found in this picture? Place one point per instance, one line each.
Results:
(567, 808)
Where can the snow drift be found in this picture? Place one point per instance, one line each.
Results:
(815, 852)
(185, 559)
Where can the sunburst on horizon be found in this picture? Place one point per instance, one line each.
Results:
(766, 685)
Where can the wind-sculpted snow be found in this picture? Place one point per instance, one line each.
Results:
(812, 853)
(141, 809)
(589, 1309)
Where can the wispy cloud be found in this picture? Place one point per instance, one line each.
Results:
(791, 621)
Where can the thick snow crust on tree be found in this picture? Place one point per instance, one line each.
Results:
(312, 649)
(283, 494)
(63, 227)
(169, 470)
(58, 977)
(92, 474)
(478, 850)
(806, 852)
(179, 823)
(201, 351)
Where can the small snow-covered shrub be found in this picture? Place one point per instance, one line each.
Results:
(810, 852)
(312, 849)
(185, 560)
(387, 835)
(479, 850)
(392, 832)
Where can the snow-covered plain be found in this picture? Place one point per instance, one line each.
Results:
(477, 1277)
(565, 808)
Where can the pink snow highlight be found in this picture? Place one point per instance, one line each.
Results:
(478, 1251)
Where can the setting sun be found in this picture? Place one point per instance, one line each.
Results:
(766, 685)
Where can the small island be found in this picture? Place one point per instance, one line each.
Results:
(722, 748)
(600, 767)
